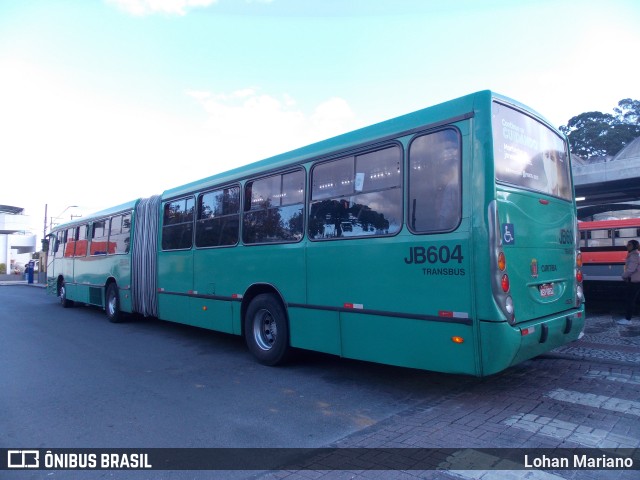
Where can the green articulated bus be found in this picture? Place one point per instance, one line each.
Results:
(445, 239)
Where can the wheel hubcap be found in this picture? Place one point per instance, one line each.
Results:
(265, 330)
(111, 305)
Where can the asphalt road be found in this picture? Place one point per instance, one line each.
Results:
(71, 379)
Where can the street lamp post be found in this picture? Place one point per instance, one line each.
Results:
(60, 216)
(44, 260)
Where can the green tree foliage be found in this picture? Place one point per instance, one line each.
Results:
(628, 111)
(593, 134)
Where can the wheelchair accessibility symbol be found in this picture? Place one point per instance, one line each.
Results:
(508, 234)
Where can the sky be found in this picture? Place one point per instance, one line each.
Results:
(105, 101)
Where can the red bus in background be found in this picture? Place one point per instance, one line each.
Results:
(603, 245)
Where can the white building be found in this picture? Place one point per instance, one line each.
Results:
(16, 241)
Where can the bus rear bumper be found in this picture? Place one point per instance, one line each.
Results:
(528, 339)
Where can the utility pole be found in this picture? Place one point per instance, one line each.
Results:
(44, 232)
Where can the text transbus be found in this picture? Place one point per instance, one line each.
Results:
(444, 239)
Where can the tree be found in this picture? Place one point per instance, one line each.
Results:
(593, 134)
(628, 111)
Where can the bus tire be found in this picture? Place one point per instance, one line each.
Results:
(266, 330)
(62, 294)
(112, 304)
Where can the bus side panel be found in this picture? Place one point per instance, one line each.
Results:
(119, 267)
(408, 343)
(236, 318)
(66, 272)
(232, 272)
(211, 314)
(399, 278)
(280, 267)
(52, 266)
(317, 330)
(76, 291)
(90, 273)
(175, 284)
(212, 269)
(125, 300)
(611, 272)
(500, 344)
(81, 276)
(603, 247)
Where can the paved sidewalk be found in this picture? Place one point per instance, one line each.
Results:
(585, 395)
(605, 339)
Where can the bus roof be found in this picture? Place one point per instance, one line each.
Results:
(601, 224)
(102, 213)
(462, 107)
(446, 112)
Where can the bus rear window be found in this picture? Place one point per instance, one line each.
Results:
(528, 154)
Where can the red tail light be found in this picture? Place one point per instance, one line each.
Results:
(505, 283)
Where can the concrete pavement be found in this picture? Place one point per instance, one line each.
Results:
(585, 395)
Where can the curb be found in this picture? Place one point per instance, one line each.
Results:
(23, 282)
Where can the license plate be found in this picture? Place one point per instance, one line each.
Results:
(546, 290)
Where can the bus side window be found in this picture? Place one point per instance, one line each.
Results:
(99, 238)
(119, 234)
(623, 235)
(53, 245)
(58, 251)
(584, 235)
(599, 238)
(126, 235)
(274, 209)
(357, 196)
(218, 218)
(81, 236)
(177, 224)
(69, 242)
(435, 186)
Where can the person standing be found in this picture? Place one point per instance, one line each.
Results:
(631, 276)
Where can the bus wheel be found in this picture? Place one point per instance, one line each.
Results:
(266, 330)
(112, 306)
(62, 293)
